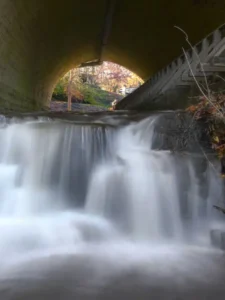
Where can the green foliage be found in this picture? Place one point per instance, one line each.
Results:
(60, 90)
(92, 94)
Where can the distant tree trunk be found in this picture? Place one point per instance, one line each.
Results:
(69, 92)
(222, 165)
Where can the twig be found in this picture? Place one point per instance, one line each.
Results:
(202, 69)
(193, 49)
(219, 208)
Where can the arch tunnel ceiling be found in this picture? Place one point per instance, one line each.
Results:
(41, 40)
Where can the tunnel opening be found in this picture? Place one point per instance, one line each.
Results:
(93, 85)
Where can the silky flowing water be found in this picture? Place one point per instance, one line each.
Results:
(91, 210)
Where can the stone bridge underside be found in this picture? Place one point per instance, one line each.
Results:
(42, 39)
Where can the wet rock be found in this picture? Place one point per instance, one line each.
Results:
(216, 238)
(223, 241)
(177, 131)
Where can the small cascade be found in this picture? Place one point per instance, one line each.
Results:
(140, 188)
(64, 185)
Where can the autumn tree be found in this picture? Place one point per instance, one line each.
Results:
(110, 76)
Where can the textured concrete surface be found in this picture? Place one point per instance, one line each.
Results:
(41, 40)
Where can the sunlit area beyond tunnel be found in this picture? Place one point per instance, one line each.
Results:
(94, 88)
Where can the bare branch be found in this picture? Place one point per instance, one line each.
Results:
(208, 97)
(193, 49)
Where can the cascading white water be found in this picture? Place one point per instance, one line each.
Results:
(141, 186)
(67, 184)
(140, 183)
(106, 193)
(44, 171)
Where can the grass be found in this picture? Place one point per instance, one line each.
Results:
(93, 95)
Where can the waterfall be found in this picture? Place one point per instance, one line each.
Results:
(66, 185)
(95, 209)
